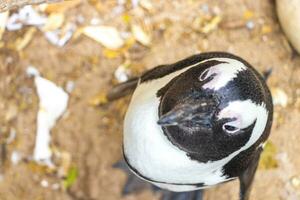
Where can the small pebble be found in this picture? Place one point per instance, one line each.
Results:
(279, 97)
(70, 86)
(15, 157)
(122, 73)
(205, 8)
(31, 71)
(95, 21)
(80, 19)
(44, 183)
(250, 25)
(295, 181)
(55, 186)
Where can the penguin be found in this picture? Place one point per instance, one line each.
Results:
(196, 123)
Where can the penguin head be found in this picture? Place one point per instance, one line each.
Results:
(215, 108)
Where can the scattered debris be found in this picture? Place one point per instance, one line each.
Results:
(31, 71)
(266, 29)
(95, 21)
(11, 113)
(248, 14)
(53, 103)
(64, 161)
(108, 53)
(26, 16)
(22, 42)
(16, 157)
(296, 181)
(122, 73)
(279, 97)
(98, 99)
(44, 183)
(147, 5)
(205, 8)
(3, 19)
(141, 35)
(60, 37)
(70, 86)
(60, 7)
(108, 36)
(206, 24)
(268, 157)
(71, 177)
(12, 136)
(55, 186)
(250, 25)
(54, 22)
(211, 25)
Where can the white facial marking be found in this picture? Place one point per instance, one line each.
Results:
(246, 112)
(150, 152)
(223, 73)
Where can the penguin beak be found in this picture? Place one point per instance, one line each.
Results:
(190, 113)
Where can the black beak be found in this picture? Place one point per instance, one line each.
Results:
(191, 112)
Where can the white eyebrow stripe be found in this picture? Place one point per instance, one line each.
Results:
(224, 72)
(248, 112)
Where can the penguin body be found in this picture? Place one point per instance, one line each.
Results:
(198, 122)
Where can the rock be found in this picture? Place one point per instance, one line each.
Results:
(289, 17)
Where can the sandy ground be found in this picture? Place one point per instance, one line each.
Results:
(93, 135)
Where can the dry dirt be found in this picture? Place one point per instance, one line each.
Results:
(93, 135)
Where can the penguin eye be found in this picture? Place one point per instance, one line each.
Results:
(230, 129)
(204, 75)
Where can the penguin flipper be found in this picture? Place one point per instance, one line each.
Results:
(122, 89)
(193, 195)
(246, 178)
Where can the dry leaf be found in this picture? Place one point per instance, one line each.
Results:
(54, 21)
(211, 25)
(267, 159)
(140, 35)
(63, 160)
(99, 99)
(266, 29)
(108, 53)
(126, 18)
(25, 16)
(248, 15)
(61, 6)
(11, 113)
(147, 5)
(279, 97)
(61, 36)
(3, 19)
(296, 181)
(108, 36)
(21, 43)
